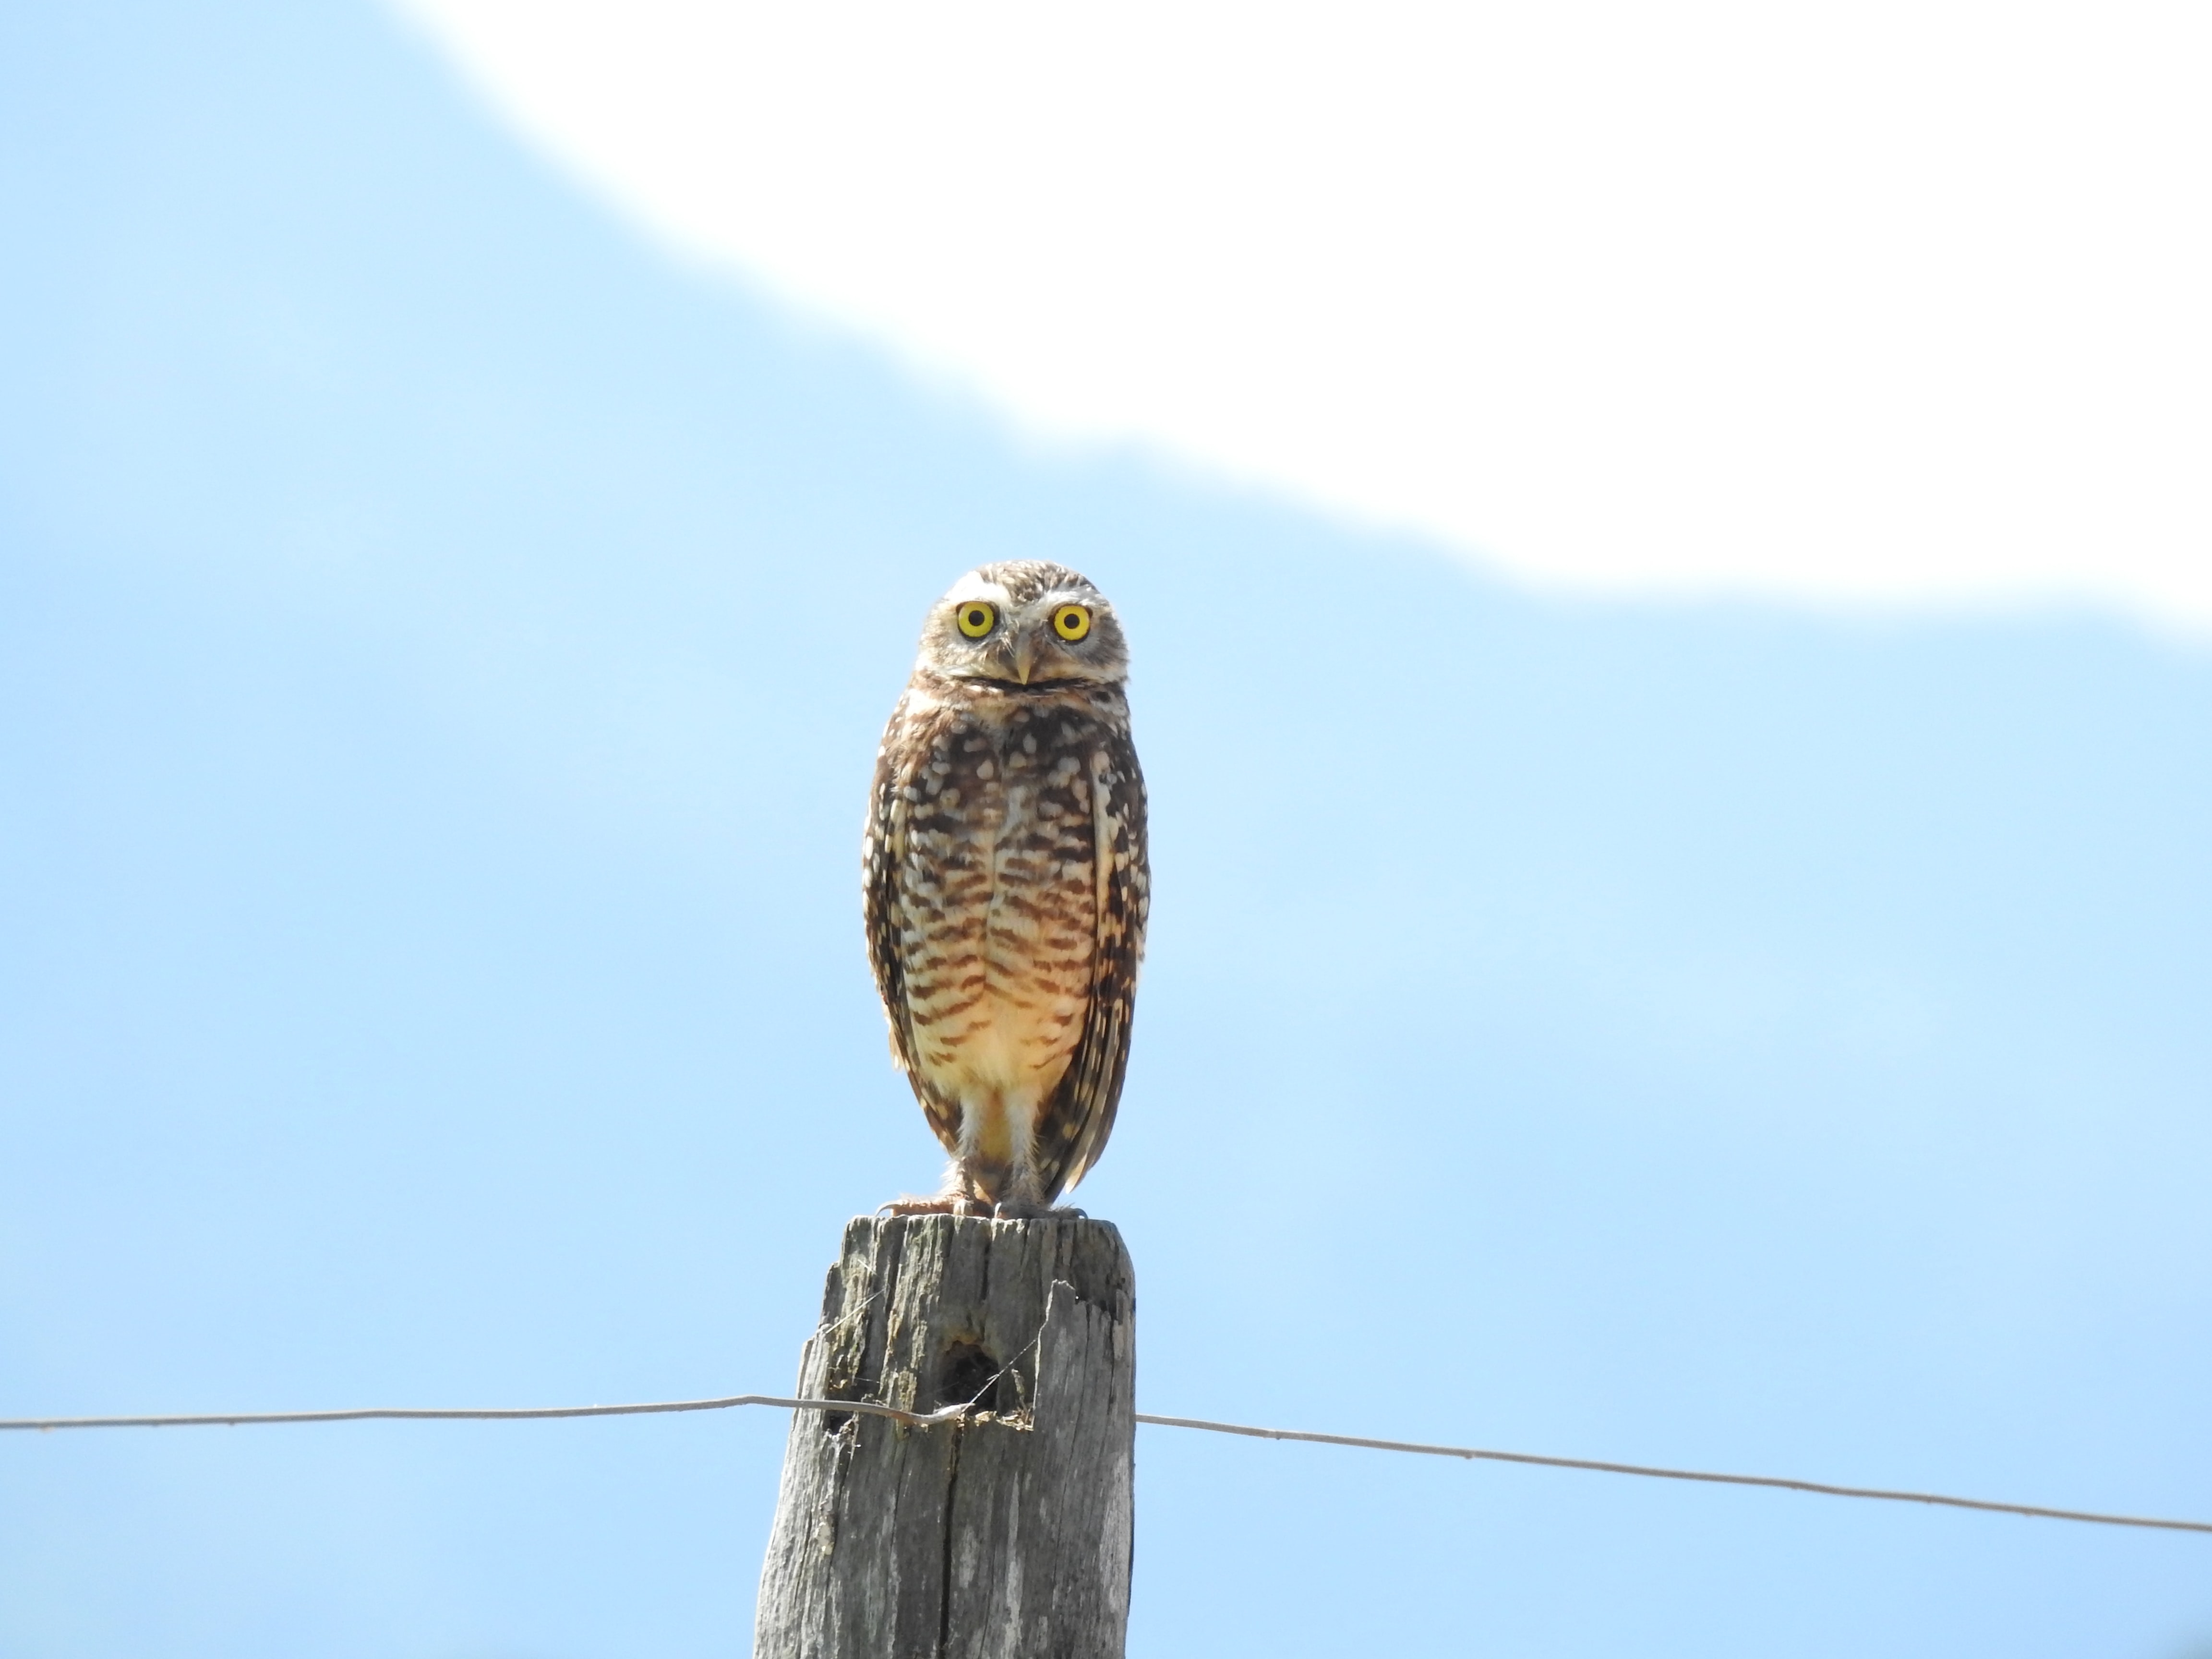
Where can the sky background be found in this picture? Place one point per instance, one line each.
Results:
(443, 637)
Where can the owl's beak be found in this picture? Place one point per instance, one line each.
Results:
(1024, 656)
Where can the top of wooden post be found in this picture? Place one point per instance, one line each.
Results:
(919, 1307)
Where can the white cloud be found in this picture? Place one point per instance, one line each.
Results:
(1873, 302)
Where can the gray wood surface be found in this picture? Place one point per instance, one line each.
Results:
(1003, 1536)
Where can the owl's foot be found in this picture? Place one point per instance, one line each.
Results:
(939, 1205)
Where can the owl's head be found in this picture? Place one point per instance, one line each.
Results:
(1024, 623)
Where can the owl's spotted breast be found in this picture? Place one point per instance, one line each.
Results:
(1005, 901)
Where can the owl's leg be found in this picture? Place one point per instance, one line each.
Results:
(993, 1169)
(1022, 1198)
(982, 1161)
(962, 1194)
(1020, 1201)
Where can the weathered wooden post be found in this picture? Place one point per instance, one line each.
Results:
(1003, 1535)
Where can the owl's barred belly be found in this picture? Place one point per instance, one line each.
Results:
(1000, 921)
(999, 1058)
(999, 971)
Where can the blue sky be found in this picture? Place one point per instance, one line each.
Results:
(442, 642)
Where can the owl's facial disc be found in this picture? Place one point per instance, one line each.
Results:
(1024, 623)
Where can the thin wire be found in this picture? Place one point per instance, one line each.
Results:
(954, 1413)
(457, 1414)
(1884, 1493)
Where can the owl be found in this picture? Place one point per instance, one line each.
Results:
(1007, 884)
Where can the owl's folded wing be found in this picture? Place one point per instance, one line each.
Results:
(883, 860)
(1073, 1128)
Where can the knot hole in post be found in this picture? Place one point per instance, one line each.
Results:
(969, 1373)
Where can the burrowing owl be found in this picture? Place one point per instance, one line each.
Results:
(1006, 881)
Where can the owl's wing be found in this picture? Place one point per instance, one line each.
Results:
(1072, 1130)
(883, 860)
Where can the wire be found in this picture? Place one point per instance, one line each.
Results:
(955, 1414)
(1820, 1486)
(509, 1414)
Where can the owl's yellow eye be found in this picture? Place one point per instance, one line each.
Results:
(1071, 622)
(976, 618)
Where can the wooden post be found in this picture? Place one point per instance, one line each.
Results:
(1006, 1536)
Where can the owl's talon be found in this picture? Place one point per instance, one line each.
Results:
(924, 1206)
